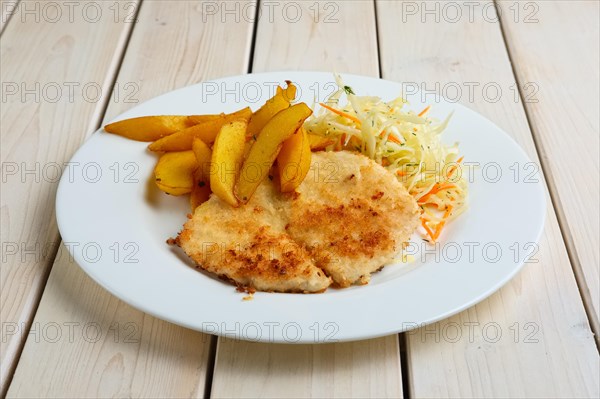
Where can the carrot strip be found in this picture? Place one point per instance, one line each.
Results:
(427, 229)
(394, 139)
(391, 137)
(341, 113)
(452, 169)
(425, 110)
(339, 144)
(437, 187)
(441, 224)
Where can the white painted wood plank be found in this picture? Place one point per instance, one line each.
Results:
(558, 50)
(45, 114)
(554, 354)
(323, 35)
(134, 354)
(361, 369)
(356, 369)
(84, 342)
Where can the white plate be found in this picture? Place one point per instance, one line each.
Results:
(115, 223)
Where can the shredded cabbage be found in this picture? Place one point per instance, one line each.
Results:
(407, 144)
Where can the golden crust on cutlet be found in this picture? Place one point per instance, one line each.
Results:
(356, 238)
(248, 245)
(352, 215)
(348, 218)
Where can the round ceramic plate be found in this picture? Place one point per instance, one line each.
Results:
(115, 223)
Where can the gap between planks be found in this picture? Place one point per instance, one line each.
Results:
(555, 199)
(402, 338)
(404, 366)
(6, 13)
(214, 343)
(254, 35)
(12, 367)
(210, 367)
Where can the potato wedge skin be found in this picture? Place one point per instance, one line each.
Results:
(319, 143)
(263, 152)
(207, 132)
(198, 119)
(149, 128)
(280, 101)
(227, 156)
(294, 160)
(204, 157)
(174, 172)
(200, 192)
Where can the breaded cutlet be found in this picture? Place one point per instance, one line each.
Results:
(352, 215)
(347, 219)
(249, 245)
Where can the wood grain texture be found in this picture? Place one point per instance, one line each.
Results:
(326, 35)
(135, 354)
(557, 51)
(345, 370)
(45, 115)
(361, 369)
(545, 347)
(177, 44)
(83, 334)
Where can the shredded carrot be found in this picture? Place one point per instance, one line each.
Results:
(427, 229)
(425, 110)
(441, 224)
(341, 113)
(400, 173)
(393, 138)
(452, 169)
(437, 187)
(340, 143)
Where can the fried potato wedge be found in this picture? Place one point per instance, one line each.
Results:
(152, 128)
(294, 160)
(198, 119)
(174, 172)
(200, 192)
(227, 157)
(207, 132)
(280, 101)
(204, 157)
(263, 152)
(319, 143)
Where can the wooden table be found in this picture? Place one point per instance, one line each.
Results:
(68, 67)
